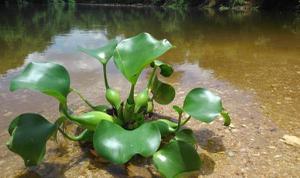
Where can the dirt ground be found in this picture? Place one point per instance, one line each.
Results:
(251, 147)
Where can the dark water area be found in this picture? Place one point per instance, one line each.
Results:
(258, 53)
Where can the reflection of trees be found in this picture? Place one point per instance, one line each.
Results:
(27, 30)
(30, 28)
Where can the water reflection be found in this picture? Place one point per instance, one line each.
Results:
(258, 52)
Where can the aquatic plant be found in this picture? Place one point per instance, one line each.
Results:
(125, 128)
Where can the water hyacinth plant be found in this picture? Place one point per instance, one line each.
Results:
(123, 129)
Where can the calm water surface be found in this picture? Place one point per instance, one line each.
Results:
(257, 52)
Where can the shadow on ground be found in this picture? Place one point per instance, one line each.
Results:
(209, 141)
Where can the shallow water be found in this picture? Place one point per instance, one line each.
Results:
(258, 53)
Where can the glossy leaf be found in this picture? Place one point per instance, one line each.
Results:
(202, 105)
(132, 55)
(176, 158)
(118, 145)
(162, 93)
(29, 134)
(166, 70)
(49, 78)
(165, 126)
(186, 135)
(104, 53)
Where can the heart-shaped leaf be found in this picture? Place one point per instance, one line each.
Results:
(118, 145)
(176, 158)
(29, 134)
(186, 135)
(132, 55)
(162, 93)
(104, 53)
(202, 105)
(166, 70)
(49, 78)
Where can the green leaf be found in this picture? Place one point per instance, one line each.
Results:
(176, 158)
(165, 126)
(202, 105)
(178, 109)
(166, 70)
(162, 93)
(104, 53)
(49, 78)
(29, 134)
(186, 135)
(132, 55)
(227, 119)
(118, 145)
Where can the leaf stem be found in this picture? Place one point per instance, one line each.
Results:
(184, 122)
(130, 99)
(179, 122)
(150, 81)
(63, 108)
(83, 99)
(105, 76)
(72, 137)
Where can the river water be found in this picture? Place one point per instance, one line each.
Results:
(257, 53)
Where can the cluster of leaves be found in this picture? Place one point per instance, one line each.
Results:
(127, 130)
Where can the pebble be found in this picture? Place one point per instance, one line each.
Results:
(231, 125)
(230, 154)
(235, 130)
(243, 150)
(256, 154)
(291, 140)
(288, 98)
(277, 156)
(135, 171)
(80, 110)
(272, 147)
(7, 114)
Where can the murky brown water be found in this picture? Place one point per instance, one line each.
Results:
(257, 53)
